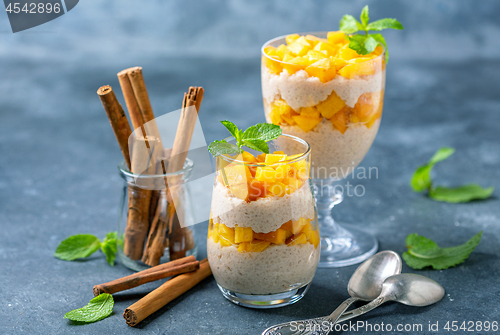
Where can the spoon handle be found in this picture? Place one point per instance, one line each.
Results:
(363, 309)
(333, 318)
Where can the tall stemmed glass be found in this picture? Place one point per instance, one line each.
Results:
(338, 113)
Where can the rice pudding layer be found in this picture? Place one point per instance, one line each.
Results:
(300, 90)
(334, 155)
(263, 215)
(277, 269)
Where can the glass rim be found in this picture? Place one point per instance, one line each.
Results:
(301, 156)
(303, 34)
(123, 169)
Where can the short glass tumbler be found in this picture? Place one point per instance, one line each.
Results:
(149, 233)
(263, 236)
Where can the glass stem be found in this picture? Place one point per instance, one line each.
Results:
(327, 196)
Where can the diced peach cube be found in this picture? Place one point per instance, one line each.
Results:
(367, 105)
(291, 38)
(282, 171)
(346, 53)
(322, 69)
(300, 46)
(256, 189)
(307, 229)
(274, 158)
(314, 39)
(335, 37)
(298, 225)
(265, 174)
(282, 50)
(248, 157)
(314, 238)
(293, 182)
(277, 237)
(275, 117)
(226, 235)
(254, 246)
(261, 157)
(243, 234)
(340, 119)
(240, 190)
(366, 67)
(314, 56)
(306, 123)
(331, 105)
(295, 64)
(278, 189)
(215, 233)
(235, 173)
(273, 64)
(296, 239)
(326, 47)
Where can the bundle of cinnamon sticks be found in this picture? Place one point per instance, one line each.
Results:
(190, 272)
(152, 221)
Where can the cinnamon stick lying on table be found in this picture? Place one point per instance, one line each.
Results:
(183, 265)
(165, 294)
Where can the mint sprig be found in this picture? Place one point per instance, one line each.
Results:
(423, 252)
(254, 137)
(365, 44)
(97, 309)
(422, 181)
(83, 245)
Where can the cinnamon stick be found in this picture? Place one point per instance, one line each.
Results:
(165, 294)
(117, 118)
(183, 265)
(176, 234)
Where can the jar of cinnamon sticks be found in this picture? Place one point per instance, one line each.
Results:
(149, 228)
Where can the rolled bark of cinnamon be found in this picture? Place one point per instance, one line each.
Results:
(183, 265)
(165, 294)
(117, 119)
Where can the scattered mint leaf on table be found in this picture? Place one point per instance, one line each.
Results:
(109, 247)
(255, 137)
(97, 309)
(77, 246)
(423, 252)
(365, 44)
(422, 180)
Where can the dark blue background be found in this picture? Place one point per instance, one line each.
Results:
(58, 173)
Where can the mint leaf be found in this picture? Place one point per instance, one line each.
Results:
(370, 44)
(349, 24)
(232, 129)
(262, 131)
(421, 179)
(364, 16)
(381, 40)
(97, 309)
(423, 252)
(357, 43)
(385, 24)
(464, 193)
(441, 155)
(256, 144)
(109, 247)
(77, 246)
(217, 148)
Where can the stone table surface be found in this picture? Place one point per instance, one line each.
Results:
(58, 178)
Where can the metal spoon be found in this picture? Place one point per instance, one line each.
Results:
(409, 289)
(365, 284)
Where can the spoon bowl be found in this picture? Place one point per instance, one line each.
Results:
(413, 290)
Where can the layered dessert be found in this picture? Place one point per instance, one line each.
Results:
(263, 237)
(322, 91)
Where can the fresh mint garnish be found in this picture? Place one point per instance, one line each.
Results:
(97, 309)
(255, 137)
(423, 252)
(109, 247)
(77, 246)
(422, 180)
(365, 44)
(84, 245)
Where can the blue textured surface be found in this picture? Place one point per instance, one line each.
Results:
(58, 167)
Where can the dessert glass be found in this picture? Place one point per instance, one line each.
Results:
(338, 113)
(263, 236)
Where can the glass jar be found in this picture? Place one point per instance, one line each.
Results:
(150, 229)
(263, 236)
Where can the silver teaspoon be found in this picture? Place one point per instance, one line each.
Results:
(365, 284)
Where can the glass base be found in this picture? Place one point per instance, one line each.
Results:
(262, 301)
(139, 265)
(345, 246)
